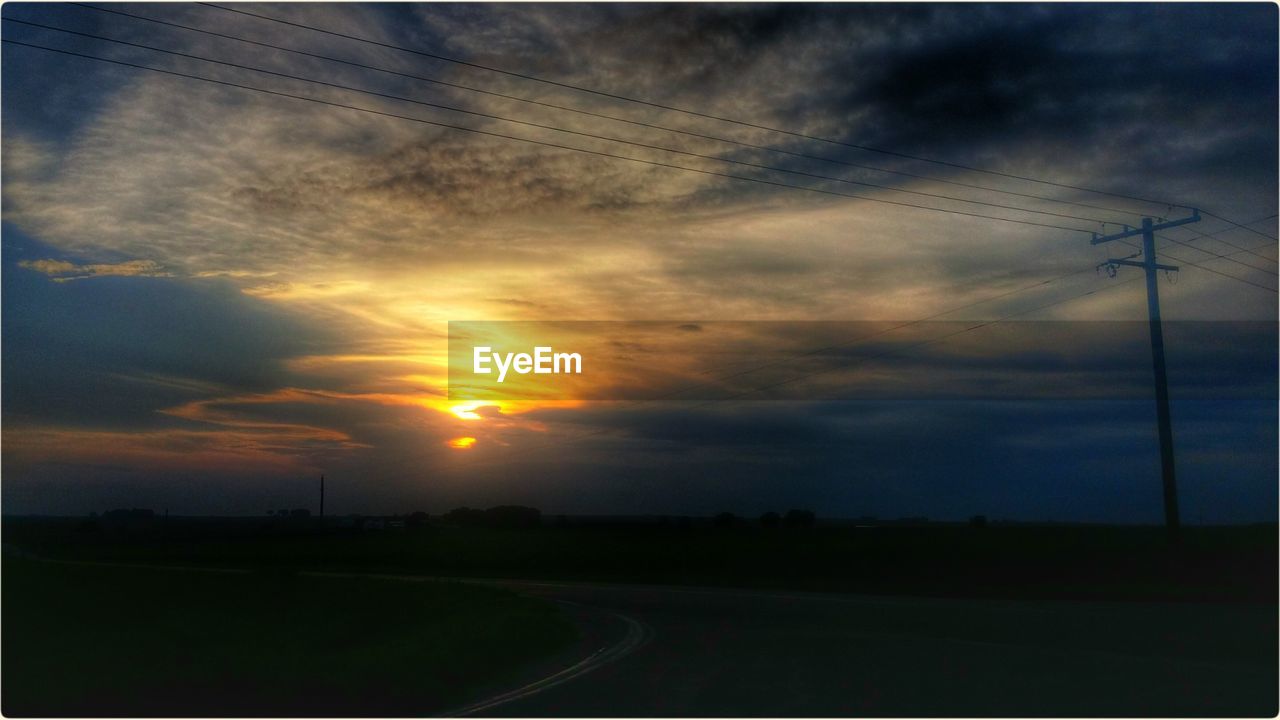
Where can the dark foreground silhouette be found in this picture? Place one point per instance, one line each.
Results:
(791, 550)
(777, 616)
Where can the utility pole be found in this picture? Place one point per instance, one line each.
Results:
(322, 495)
(1150, 266)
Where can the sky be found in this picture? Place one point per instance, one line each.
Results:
(212, 295)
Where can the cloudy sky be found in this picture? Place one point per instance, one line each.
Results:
(213, 294)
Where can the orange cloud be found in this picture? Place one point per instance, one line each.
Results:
(163, 450)
(63, 271)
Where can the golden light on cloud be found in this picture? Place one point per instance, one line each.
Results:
(467, 411)
(63, 271)
(496, 410)
(461, 443)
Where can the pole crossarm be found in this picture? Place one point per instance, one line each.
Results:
(1137, 264)
(1131, 232)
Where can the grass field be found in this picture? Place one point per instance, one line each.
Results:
(85, 640)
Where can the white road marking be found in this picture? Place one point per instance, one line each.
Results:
(637, 635)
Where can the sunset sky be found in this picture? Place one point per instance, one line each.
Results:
(212, 295)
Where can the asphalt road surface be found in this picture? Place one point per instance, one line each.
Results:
(658, 651)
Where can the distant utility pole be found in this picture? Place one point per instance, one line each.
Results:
(1149, 264)
(322, 495)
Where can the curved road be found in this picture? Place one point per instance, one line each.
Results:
(710, 652)
(653, 651)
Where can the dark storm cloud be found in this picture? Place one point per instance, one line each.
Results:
(1191, 85)
(1061, 73)
(675, 46)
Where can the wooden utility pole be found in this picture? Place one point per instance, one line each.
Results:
(322, 495)
(1151, 267)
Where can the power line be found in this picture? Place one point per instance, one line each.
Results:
(565, 147)
(642, 124)
(643, 145)
(237, 85)
(1241, 250)
(595, 136)
(1214, 236)
(695, 113)
(604, 116)
(1244, 226)
(517, 138)
(1219, 272)
(1209, 269)
(1214, 254)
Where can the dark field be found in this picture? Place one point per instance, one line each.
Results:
(84, 640)
(1099, 621)
(1017, 561)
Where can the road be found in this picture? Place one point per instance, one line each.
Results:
(694, 652)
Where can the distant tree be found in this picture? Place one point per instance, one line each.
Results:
(799, 519)
(299, 513)
(770, 520)
(417, 519)
(978, 521)
(725, 520)
(464, 516)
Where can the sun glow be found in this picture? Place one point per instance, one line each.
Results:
(467, 411)
(461, 443)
